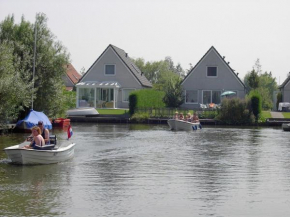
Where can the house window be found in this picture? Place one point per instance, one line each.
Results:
(86, 97)
(211, 96)
(216, 97)
(126, 93)
(206, 97)
(110, 70)
(211, 71)
(191, 96)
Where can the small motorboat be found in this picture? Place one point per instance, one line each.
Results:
(286, 127)
(183, 125)
(49, 154)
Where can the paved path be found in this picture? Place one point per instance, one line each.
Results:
(277, 115)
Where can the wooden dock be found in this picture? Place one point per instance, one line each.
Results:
(126, 119)
(277, 121)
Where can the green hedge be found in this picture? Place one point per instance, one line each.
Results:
(235, 112)
(256, 103)
(146, 98)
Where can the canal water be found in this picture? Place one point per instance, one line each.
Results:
(148, 170)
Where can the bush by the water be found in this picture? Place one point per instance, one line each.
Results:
(140, 117)
(235, 112)
(256, 103)
(145, 98)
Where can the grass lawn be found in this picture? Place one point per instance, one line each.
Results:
(265, 115)
(286, 114)
(112, 111)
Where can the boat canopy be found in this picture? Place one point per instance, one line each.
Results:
(32, 119)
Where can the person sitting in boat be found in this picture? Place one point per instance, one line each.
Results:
(195, 118)
(188, 117)
(44, 132)
(37, 140)
(175, 116)
(181, 117)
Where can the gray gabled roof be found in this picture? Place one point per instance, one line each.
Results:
(227, 64)
(284, 83)
(129, 63)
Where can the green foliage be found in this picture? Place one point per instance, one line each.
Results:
(279, 99)
(256, 103)
(264, 116)
(15, 91)
(173, 93)
(132, 102)
(159, 72)
(50, 63)
(140, 117)
(234, 111)
(253, 80)
(145, 98)
(208, 114)
(264, 83)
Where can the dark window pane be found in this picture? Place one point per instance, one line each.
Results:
(110, 69)
(211, 71)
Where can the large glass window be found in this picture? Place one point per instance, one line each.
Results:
(86, 97)
(126, 93)
(191, 96)
(216, 97)
(211, 96)
(110, 70)
(206, 97)
(105, 98)
(212, 71)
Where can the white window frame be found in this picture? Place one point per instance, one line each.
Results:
(210, 95)
(191, 102)
(129, 94)
(212, 76)
(110, 65)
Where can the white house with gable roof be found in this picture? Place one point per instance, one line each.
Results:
(208, 79)
(110, 80)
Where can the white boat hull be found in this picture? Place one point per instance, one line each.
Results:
(82, 112)
(183, 125)
(18, 155)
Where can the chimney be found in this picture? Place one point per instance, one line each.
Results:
(126, 54)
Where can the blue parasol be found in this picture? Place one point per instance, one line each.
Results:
(228, 93)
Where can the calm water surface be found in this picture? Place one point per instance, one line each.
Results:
(147, 170)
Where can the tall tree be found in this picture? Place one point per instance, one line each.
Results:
(263, 83)
(14, 90)
(51, 60)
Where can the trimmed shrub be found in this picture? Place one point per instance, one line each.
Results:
(146, 98)
(234, 111)
(140, 117)
(256, 103)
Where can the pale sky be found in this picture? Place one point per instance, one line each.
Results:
(240, 30)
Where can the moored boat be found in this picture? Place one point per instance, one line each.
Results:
(183, 125)
(61, 122)
(286, 127)
(48, 155)
(31, 120)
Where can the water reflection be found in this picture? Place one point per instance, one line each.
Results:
(147, 170)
